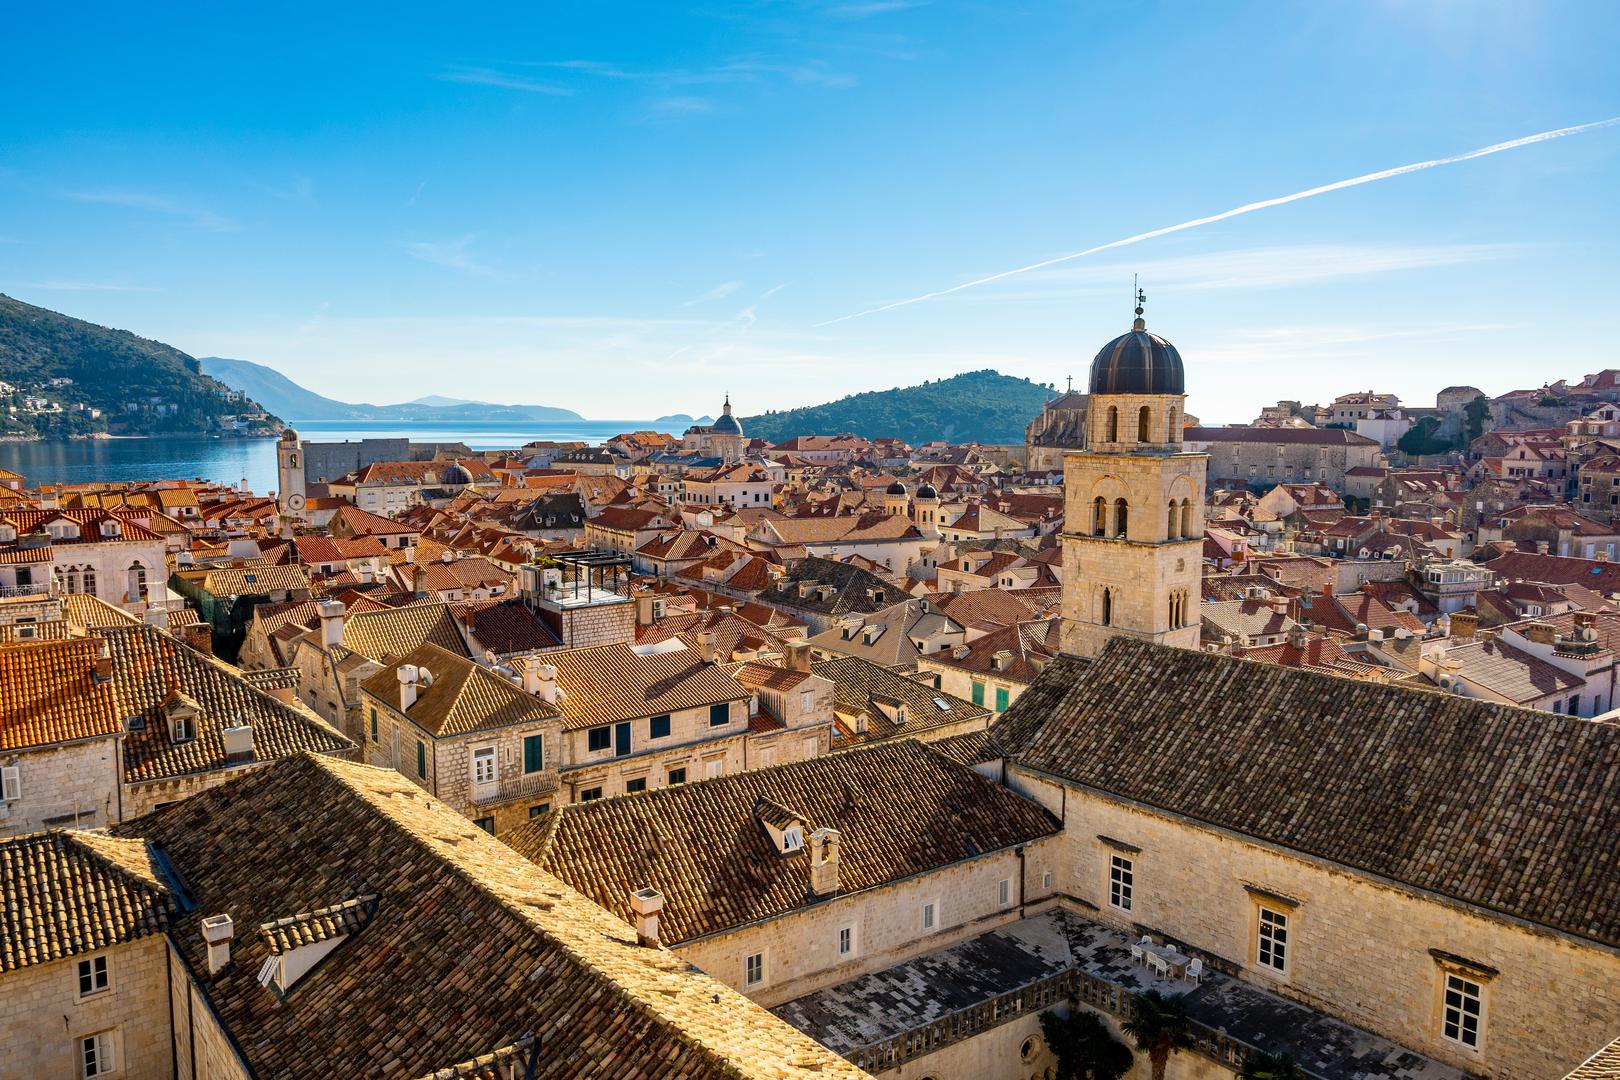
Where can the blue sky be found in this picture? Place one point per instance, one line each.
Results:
(633, 209)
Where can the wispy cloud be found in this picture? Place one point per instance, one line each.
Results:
(417, 194)
(455, 254)
(504, 80)
(87, 286)
(195, 217)
(719, 292)
(869, 8)
(737, 69)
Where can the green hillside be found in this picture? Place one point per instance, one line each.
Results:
(65, 376)
(976, 406)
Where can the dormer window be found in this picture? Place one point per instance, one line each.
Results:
(792, 839)
(182, 729)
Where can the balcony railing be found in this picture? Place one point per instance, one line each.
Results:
(523, 785)
(37, 588)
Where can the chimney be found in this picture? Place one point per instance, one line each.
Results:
(644, 609)
(647, 904)
(1327, 590)
(1584, 619)
(1464, 625)
(102, 670)
(332, 612)
(544, 678)
(1541, 633)
(407, 676)
(798, 655)
(706, 646)
(217, 932)
(824, 862)
(1298, 636)
(1543, 547)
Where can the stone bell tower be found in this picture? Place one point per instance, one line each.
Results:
(1133, 503)
(290, 480)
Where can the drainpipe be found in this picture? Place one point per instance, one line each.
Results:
(1019, 851)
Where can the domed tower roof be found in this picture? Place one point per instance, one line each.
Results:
(927, 491)
(456, 474)
(896, 488)
(288, 435)
(1138, 363)
(726, 424)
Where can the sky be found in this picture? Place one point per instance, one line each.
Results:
(634, 209)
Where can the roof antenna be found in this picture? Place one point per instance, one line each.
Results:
(1141, 298)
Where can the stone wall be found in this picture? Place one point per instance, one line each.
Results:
(202, 1049)
(1362, 950)
(61, 781)
(44, 1018)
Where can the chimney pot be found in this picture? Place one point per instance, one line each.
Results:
(647, 905)
(332, 612)
(706, 646)
(824, 845)
(218, 931)
(407, 675)
(799, 655)
(544, 679)
(644, 610)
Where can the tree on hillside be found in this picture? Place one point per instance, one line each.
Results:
(1421, 439)
(1478, 414)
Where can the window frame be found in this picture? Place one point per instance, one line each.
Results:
(1121, 882)
(653, 726)
(1465, 981)
(670, 778)
(928, 916)
(635, 784)
(97, 970)
(97, 1051)
(754, 970)
(483, 759)
(845, 942)
(421, 760)
(538, 743)
(590, 794)
(605, 732)
(1271, 936)
(720, 714)
(1004, 893)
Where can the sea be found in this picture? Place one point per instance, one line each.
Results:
(253, 461)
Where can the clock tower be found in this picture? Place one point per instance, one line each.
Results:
(1133, 503)
(290, 477)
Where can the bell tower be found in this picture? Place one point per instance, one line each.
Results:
(290, 478)
(1133, 503)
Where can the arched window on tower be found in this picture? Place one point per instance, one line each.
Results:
(1186, 519)
(1107, 608)
(1099, 517)
(1142, 417)
(1122, 517)
(1170, 524)
(1170, 429)
(137, 582)
(1113, 424)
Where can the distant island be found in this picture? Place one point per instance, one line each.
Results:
(288, 399)
(62, 377)
(976, 406)
(683, 418)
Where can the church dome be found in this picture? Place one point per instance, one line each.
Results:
(455, 475)
(896, 488)
(1138, 363)
(927, 491)
(726, 424)
(288, 435)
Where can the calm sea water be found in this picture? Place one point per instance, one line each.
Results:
(231, 461)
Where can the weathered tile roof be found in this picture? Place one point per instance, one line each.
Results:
(251, 580)
(469, 951)
(606, 683)
(1515, 674)
(464, 697)
(64, 893)
(151, 670)
(1509, 810)
(1603, 1065)
(93, 613)
(49, 694)
(313, 927)
(901, 809)
(385, 635)
(857, 682)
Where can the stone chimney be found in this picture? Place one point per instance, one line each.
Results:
(1464, 625)
(1541, 633)
(824, 862)
(644, 609)
(332, 612)
(706, 646)
(1543, 547)
(544, 678)
(798, 655)
(102, 670)
(407, 675)
(218, 932)
(1298, 636)
(647, 904)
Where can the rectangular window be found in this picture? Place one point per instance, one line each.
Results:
(421, 759)
(483, 765)
(978, 693)
(658, 727)
(539, 808)
(1121, 882)
(1003, 892)
(677, 776)
(714, 767)
(638, 784)
(534, 753)
(754, 969)
(598, 738)
(1001, 699)
(1272, 951)
(373, 725)
(807, 700)
(930, 913)
(621, 739)
(96, 1054)
(846, 941)
(1046, 879)
(590, 794)
(485, 823)
(1464, 998)
(92, 976)
(719, 714)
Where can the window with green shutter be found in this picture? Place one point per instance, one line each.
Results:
(373, 725)
(534, 756)
(1001, 699)
(421, 760)
(978, 693)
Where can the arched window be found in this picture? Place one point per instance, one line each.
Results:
(1174, 622)
(1142, 424)
(87, 580)
(1113, 424)
(1122, 517)
(1170, 425)
(1186, 519)
(137, 582)
(1099, 517)
(1107, 608)
(1170, 525)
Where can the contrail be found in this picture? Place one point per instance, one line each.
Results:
(1247, 208)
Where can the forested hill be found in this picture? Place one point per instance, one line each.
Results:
(65, 376)
(976, 406)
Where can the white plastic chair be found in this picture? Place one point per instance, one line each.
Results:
(1195, 970)
(1136, 952)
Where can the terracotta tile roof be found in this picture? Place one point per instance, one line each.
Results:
(860, 687)
(504, 626)
(65, 893)
(757, 676)
(350, 520)
(49, 694)
(469, 951)
(254, 580)
(1517, 675)
(152, 671)
(607, 683)
(314, 927)
(1356, 772)
(93, 613)
(969, 748)
(1003, 606)
(1023, 648)
(1309, 435)
(901, 809)
(1603, 1065)
(392, 632)
(464, 697)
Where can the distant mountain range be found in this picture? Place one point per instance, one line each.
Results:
(294, 402)
(64, 376)
(976, 406)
